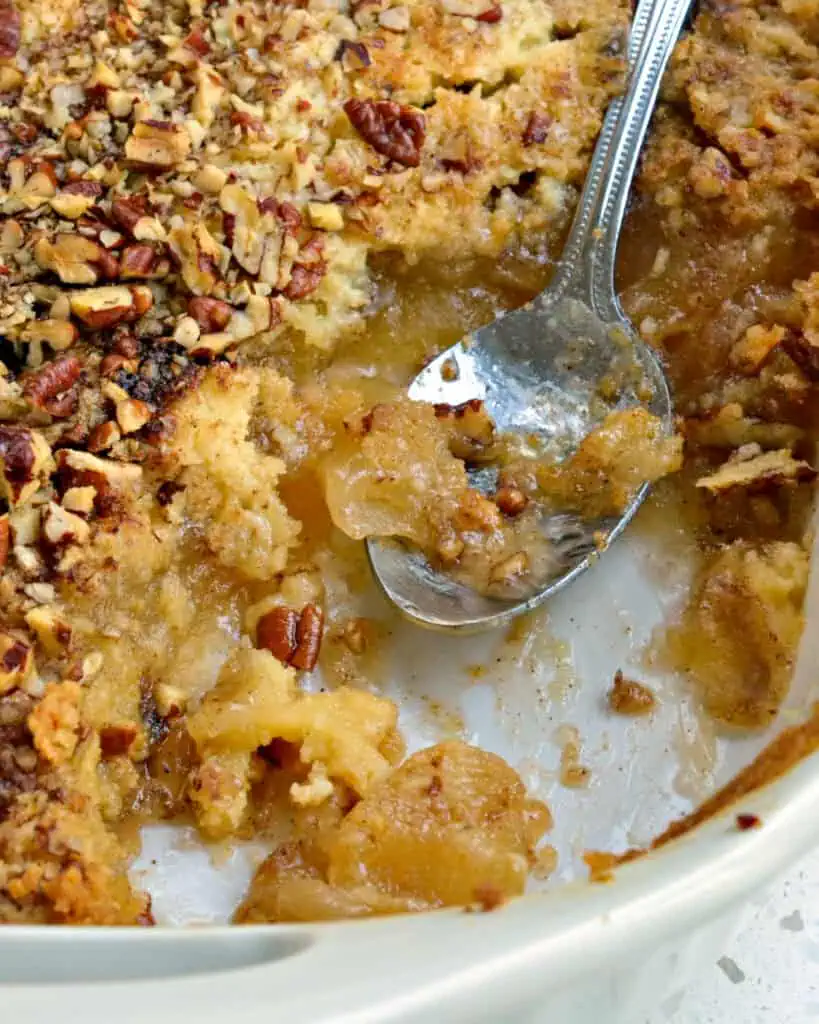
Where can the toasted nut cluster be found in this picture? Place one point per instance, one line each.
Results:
(295, 639)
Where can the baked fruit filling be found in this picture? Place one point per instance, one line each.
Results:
(230, 233)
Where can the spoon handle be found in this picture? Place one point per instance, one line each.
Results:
(586, 268)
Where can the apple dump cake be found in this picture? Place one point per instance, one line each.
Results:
(230, 234)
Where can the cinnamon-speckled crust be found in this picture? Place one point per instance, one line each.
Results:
(735, 140)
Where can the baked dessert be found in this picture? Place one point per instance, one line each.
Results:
(230, 234)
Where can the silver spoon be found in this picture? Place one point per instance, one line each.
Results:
(539, 369)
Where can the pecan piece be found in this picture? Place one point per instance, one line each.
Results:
(61, 527)
(247, 122)
(353, 55)
(157, 145)
(511, 500)
(304, 279)
(195, 40)
(308, 638)
(128, 210)
(137, 261)
(52, 387)
(211, 314)
(103, 436)
(10, 23)
(293, 639)
(25, 458)
(106, 307)
(116, 740)
(113, 363)
(537, 129)
(276, 632)
(82, 187)
(75, 259)
(391, 129)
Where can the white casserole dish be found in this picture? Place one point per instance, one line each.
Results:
(583, 954)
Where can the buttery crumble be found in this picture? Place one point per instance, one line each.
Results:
(199, 202)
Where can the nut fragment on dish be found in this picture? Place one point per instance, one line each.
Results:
(230, 234)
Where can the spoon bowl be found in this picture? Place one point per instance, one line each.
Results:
(538, 372)
(550, 372)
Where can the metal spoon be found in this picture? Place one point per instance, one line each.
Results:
(539, 369)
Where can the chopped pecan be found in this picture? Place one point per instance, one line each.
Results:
(537, 129)
(391, 129)
(137, 261)
(276, 632)
(59, 334)
(195, 40)
(113, 363)
(309, 632)
(353, 55)
(106, 307)
(116, 740)
(52, 388)
(10, 25)
(75, 259)
(211, 314)
(293, 639)
(103, 436)
(61, 527)
(25, 457)
(132, 415)
(304, 279)
(125, 344)
(126, 211)
(511, 500)
(83, 187)
(143, 299)
(286, 213)
(157, 145)
(250, 124)
(81, 469)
